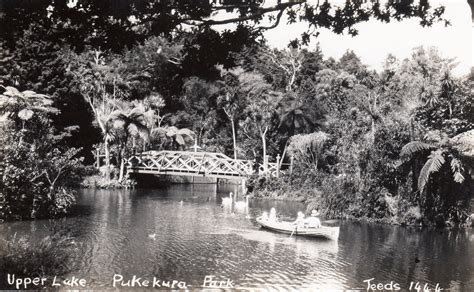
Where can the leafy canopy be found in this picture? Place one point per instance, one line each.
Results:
(117, 24)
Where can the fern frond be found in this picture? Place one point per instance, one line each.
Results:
(457, 169)
(433, 164)
(413, 148)
(467, 136)
(464, 142)
(458, 177)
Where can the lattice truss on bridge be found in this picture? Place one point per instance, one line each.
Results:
(189, 163)
(207, 164)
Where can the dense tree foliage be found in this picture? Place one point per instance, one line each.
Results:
(373, 124)
(35, 34)
(150, 75)
(36, 170)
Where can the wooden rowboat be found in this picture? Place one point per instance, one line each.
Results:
(289, 228)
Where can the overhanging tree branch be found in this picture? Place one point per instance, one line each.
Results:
(251, 16)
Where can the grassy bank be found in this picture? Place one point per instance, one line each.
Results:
(100, 182)
(53, 255)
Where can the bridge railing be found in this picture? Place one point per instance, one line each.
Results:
(199, 163)
(190, 162)
(273, 169)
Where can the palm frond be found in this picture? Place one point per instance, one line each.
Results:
(180, 140)
(6, 101)
(46, 109)
(136, 112)
(111, 137)
(141, 130)
(36, 98)
(433, 164)
(30, 93)
(117, 115)
(118, 123)
(413, 148)
(11, 91)
(25, 114)
(159, 131)
(171, 131)
(186, 132)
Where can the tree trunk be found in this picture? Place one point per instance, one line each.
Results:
(107, 158)
(22, 133)
(122, 164)
(122, 155)
(97, 157)
(264, 146)
(372, 134)
(414, 175)
(414, 185)
(233, 138)
(283, 154)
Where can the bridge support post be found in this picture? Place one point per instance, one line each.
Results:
(244, 187)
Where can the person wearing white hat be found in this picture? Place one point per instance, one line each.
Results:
(313, 221)
(299, 222)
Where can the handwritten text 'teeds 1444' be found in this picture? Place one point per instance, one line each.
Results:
(394, 286)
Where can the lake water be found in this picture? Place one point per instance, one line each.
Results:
(182, 233)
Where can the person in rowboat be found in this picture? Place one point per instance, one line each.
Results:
(273, 216)
(313, 221)
(299, 219)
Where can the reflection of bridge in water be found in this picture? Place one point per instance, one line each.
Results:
(204, 164)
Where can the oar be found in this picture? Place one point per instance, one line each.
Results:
(293, 231)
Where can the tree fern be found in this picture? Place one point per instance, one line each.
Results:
(413, 148)
(456, 151)
(132, 122)
(433, 164)
(179, 135)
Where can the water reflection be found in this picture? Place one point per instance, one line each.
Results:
(183, 233)
(407, 254)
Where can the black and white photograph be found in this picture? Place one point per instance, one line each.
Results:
(237, 145)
